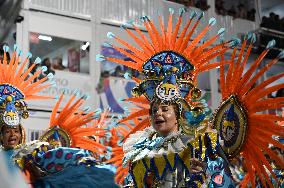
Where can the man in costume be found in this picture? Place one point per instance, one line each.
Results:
(156, 157)
(15, 88)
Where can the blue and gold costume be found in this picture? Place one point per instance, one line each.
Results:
(170, 66)
(170, 61)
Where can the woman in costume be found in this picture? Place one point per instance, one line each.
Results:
(171, 66)
(165, 154)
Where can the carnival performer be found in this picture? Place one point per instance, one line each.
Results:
(16, 87)
(64, 156)
(167, 153)
(172, 128)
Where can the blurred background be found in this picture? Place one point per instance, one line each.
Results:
(67, 35)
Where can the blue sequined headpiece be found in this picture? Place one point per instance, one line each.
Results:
(17, 84)
(168, 79)
(12, 105)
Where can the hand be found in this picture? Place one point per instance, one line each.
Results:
(196, 165)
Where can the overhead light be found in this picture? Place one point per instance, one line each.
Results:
(43, 37)
(85, 46)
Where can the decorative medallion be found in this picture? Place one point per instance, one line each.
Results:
(167, 92)
(231, 122)
(56, 136)
(11, 118)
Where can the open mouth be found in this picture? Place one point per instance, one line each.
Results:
(159, 122)
(12, 141)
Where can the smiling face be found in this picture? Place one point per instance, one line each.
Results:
(11, 137)
(164, 119)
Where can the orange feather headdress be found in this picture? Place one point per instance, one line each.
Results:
(171, 60)
(71, 124)
(14, 73)
(170, 39)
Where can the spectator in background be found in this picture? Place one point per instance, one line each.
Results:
(282, 24)
(202, 4)
(100, 86)
(189, 3)
(46, 62)
(264, 22)
(58, 64)
(251, 14)
(73, 60)
(277, 22)
(280, 93)
(118, 72)
(242, 12)
(232, 11)
(219, 4)
(271, 20)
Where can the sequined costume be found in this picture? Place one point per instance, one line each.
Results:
(170, 62)
(171, 66)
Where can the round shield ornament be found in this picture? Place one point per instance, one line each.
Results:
(231, 122)
(63, 137)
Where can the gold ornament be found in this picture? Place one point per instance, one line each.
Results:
(136, 91)
(9, 98)
(195, 93)
(25, 114)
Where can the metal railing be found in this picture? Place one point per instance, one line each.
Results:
(121, 11)
(73, 8)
